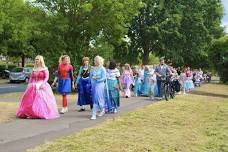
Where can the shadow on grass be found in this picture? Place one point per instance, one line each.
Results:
(202, 93)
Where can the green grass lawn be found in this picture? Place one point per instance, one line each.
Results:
(189, 123)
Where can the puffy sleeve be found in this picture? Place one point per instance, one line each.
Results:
(46, 75)
(117, 73)
(103, 75)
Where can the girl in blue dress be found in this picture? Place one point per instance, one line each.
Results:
(146, 82)
(98, 78)
(113, 87)
(84, 85)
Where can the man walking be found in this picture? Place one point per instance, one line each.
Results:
(162, 71)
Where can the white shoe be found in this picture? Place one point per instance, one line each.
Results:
(93, 118)
(62, 111)
(101, 113)
(66, 109)
(115, 110)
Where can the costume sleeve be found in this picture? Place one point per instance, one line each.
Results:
(103, 76)
(46, 77)
(79, 75)
(117, 73)
(46, 74)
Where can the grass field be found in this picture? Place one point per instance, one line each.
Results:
(196, 122)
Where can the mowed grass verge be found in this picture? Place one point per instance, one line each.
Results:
(189, 123)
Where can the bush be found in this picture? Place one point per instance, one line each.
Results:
(10, 67)
(29, 65)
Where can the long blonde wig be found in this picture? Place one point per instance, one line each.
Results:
(61, 58)
(41, 58)
(99, 60)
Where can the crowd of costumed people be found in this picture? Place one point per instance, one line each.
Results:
(101, 87)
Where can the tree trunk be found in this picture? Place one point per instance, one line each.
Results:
(146, 57)
(23, 61)
(7, 62)
(146, 51)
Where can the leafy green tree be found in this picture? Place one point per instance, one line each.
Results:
(71, 26)
(16, 29)
(181, 31)
(219, 57)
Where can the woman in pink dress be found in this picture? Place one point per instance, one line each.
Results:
(127, 80)
(38, 100)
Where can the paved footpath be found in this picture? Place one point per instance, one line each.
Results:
(22, 134)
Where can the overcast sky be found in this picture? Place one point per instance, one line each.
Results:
(225, 18)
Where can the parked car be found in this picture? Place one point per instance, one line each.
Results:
(5, 74)
(20, 74)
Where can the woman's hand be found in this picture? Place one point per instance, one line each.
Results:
(94, 78)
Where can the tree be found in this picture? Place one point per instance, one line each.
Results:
(71, 26)
(219, 57)
(16, 29)
(179, 30)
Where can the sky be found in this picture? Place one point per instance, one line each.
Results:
(225, 18)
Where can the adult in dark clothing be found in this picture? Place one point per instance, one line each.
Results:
(162, 71)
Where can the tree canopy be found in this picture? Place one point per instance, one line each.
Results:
(132, 31)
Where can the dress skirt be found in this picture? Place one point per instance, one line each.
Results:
(189, 84)
(38, 103)
(112, 96)
(84, 91)
(98, 93)
(64, 86)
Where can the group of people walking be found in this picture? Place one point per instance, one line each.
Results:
(98, 86)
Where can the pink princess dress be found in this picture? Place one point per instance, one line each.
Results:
(127, 80)
(38, 100)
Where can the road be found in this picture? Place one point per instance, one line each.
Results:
(22, 134)
(12, 87)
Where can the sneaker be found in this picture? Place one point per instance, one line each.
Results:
(66, 109)
(115, 110)
(62, 111)
(101, 113)
(93, 118)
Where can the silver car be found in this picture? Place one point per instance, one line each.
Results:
(20, 74)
